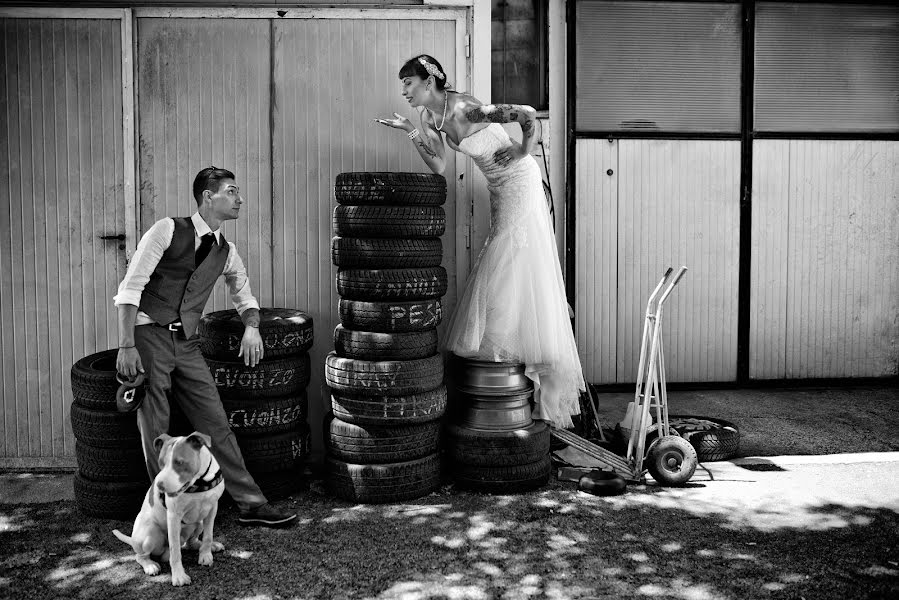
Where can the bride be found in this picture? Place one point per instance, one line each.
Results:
(513, 308)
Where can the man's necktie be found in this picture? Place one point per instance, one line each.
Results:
(203, 250)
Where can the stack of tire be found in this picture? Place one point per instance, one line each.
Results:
(385, 375)
(111, 479)
(267, 405)
(493, 445)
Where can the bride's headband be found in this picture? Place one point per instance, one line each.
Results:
(431, 68)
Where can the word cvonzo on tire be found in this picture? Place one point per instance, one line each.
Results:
(282, 377)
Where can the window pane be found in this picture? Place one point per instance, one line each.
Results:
(654, 66)
(519, 52)
(826, 67)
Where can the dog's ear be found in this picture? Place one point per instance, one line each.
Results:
(199, 439)
(160, 441)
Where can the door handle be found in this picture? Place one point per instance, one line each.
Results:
(120, 236)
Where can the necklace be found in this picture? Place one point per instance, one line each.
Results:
(443, 120)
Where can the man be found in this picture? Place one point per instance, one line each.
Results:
(160, 302)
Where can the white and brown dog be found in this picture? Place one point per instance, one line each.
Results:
(179, 507)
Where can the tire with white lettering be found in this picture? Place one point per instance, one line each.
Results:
(369, 345)
(485, 448)
(414, 221)
(105, 428)
(383, 377)
(363, 188)
(109, 499)
(392, 284)
(284, 332)
(267, 454)
(93, 378)
(125, 463)
(372, 444)
(389, 410)
(390, 317)
(383, 253)
(265, 416)
(268, 379)
(391, 482)
(510, 479)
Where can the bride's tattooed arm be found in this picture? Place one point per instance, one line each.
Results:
(522, 114)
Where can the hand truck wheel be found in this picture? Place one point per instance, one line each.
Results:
(671, 460)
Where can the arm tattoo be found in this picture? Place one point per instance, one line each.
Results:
(426, 149)
(476, 115)
(527, 127)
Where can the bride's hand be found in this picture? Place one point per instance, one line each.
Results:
(399, 122)
(506, 156)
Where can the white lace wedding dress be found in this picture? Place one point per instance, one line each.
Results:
(514, 307)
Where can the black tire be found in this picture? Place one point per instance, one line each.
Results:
(602, 483)
(281, 484)
(105, 428)
(483, 448)
(389, 221)
(393, 482)
(266, 416)
(385, 253)
(372, 444)
(389, 410)
(713, 439)
(111, 464)
(368, 345)
(269, 378)
(390, 188)
(94, 383)
(284, 331)
(109, 499)
(671, 461)
(392, 284)
(383, 377)
(279, 452)
(511, 479)
(390, 317)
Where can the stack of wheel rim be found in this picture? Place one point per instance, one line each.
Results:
(385, 375)
(112, 476)
(493, 444)
(267, 405)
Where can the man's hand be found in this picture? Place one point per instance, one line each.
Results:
(128, 363)
(251, 347)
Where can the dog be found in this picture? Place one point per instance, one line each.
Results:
(179, 507)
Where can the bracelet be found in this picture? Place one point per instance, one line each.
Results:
(413, 134)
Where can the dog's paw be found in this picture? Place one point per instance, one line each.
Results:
(217, 546)
(180, 579)
(151, 568)
(205, 558)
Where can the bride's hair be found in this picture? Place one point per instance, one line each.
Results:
(423, 66)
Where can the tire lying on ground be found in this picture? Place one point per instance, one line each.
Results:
(384, 253)
(389, 221)
(269, 378)
(371, 444)
(390, 317)
(383, 377)
(713, 439)
(264, 416)
(363, 188)
(109, 499)
(284, 332)
(94, 383)
(488, 448)
(392, 284)
(389, 410)
(368, 345)
(509, 479)
(392, 482)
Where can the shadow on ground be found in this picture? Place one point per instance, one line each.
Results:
(554, 543)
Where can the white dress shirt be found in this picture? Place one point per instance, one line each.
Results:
(153, 245)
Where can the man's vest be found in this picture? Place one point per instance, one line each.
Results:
(178, 289)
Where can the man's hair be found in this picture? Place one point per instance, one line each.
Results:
(209, 179)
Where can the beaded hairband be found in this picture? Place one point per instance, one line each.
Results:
(430, 68)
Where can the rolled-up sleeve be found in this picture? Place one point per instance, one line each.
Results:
(238, 283)
(149, 251)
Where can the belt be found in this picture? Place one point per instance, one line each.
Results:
(177, 326)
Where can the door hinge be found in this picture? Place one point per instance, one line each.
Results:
(467, 46)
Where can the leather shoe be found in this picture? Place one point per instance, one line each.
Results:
(266, 516)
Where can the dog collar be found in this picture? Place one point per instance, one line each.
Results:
(201, 485)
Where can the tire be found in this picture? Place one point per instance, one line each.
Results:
(266, 416)
(94, 383)
(365, 188)
(367, 345)
(713, 439)
(281, 484)
(378, 253)
(389, 221)
(390, 317)
(671, 461)
(269, 378)
(105, 428)
(393, 482)
(279, 452)
(111, 464)
(389, 410)
(602, 483)
(483, 448)
(372, 444)
(284, 331)
(392, 284)
(108, 499)
(510, 479)
(383, 377)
